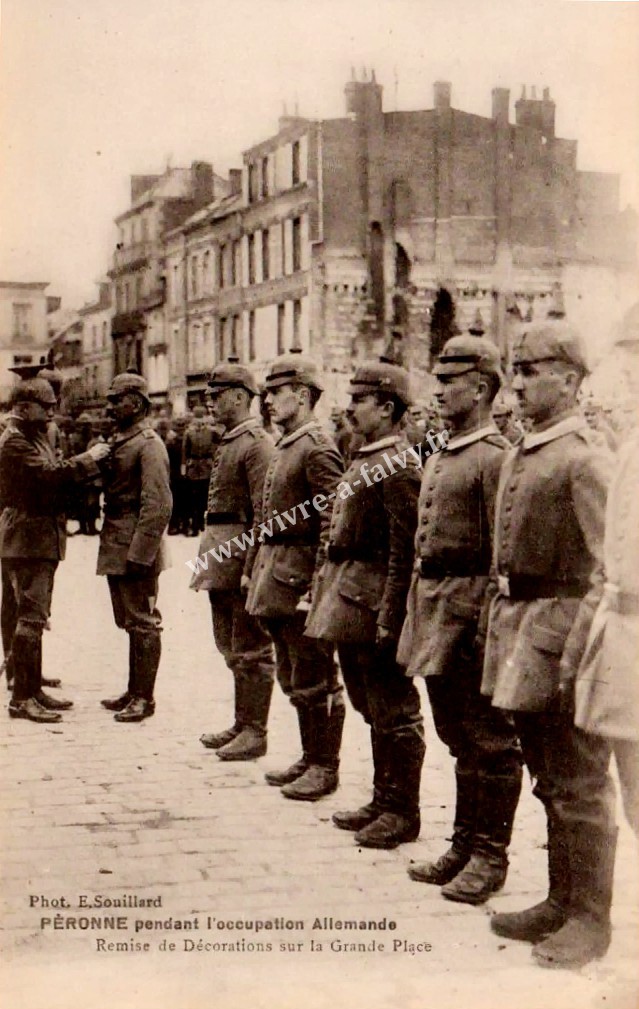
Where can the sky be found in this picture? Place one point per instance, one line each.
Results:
(92, 91)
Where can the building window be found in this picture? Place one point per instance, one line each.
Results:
(94, 337)
(235, 263)
(235, 332)
(194, 277)
(264, 178)
(251, 259)
(281, 318)
(251, 336)
(252, 183)
(105, 334)
(221, 265)
(295, 154)
(265, 255)
(219, 340)
(145, 230)
(297, 244)
(283, 247)
(125, 295)
(206, 267)
(138, 291)
(297, 319)
(22, 320)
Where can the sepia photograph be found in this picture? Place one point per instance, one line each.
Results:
(319, 521)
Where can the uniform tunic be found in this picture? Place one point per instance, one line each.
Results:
(234, 508)
(137, 510)
(306, 466)
(442, 635)
(548, 558)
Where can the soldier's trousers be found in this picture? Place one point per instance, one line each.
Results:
(133, 599)
(239, 637)
(306, 671)
(569, 768)
(31, 582)
(479, 736)
(8, 611)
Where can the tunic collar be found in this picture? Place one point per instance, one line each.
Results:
(122, 436)
(245, 425)
(469, 439)
(388, 442)
(567, 425)
(288, 439)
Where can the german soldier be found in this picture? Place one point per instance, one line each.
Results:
(33, 489)
(234, 505)
(197, 451)
(298, 491)
(441, 639)
(360, 602)
(548, 557)
(136, 514)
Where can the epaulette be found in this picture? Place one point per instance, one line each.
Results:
(148, 432)
(498, 440)
(320, 436)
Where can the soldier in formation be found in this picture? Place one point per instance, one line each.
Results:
(299, 487)
(446, 616)
(360, 599)
(233, 510)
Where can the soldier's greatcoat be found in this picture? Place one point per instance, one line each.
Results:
(452, 552)
(305, 466)
(234, 504)
(548, 558)
(607, 689)
(137, 502)
(364, 581)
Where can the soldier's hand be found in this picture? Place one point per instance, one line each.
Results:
(245, 583)
(304, 603)
(99, 451)
(385, 638)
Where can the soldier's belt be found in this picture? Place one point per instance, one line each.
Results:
(525, 588)
(339, 555)
(226, 518)
(290, 540)
(464, 567)
(626, 604)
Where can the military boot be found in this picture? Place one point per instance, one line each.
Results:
(541, 920)
(147, 649)
(120, 703)
(250, 743)
(399, 822)
(356, 819)
(297, 769)
(585, 935)
(486, 870)
(214, 740)
(26, 676)
(446, 867)
(45, 700)
(321, 777)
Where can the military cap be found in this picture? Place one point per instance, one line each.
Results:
(293, 369)
(551, 340)
(462, 354)
(128, 381)
(34, 390)
(28, 370)
(53, 376)
(85, 418)
(232, 375)
(378, 376)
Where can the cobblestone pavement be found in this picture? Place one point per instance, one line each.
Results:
(96, 808)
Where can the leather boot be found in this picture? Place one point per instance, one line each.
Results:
(585, 936)
(52, 682)
(26, 675)
(399, 823)
(541, 920)
(147, 649)
(214, 740)
(487, 867)
(251, 741)
(52, 703)
(120, 703)
(321, 777)
(446, 867)
(297, 769)
(356, 819)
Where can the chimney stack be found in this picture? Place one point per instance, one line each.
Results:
(442, 92)
(501, 105)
